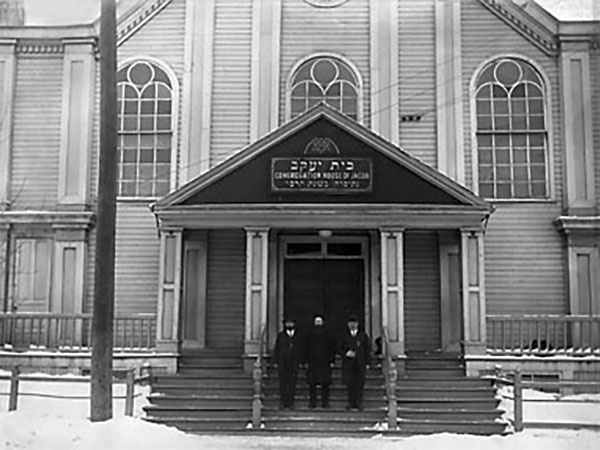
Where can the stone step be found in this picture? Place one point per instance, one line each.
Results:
(450, 382)
(216, 372)
(459, 415)
(190, 380)
(186, 411)
(246, 391)
(444, 393)
(448, 426)
(204, 401)
(449, 403)
(331, 425)
(434, 373)
(203, 425)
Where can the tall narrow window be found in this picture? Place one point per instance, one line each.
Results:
(512, 131)
(145, 95)
(325, 79)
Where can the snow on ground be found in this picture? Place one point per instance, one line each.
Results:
(50, 423)
(542, 407)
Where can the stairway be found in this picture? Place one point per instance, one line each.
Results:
(333, 421)
(212, 394)
(209, 394)
(436, 396)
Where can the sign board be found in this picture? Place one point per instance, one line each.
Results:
(323, 175)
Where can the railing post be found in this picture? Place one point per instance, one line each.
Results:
(518, 399)
(392, 404)
(129, 391)
(14, 389)
(256, 398)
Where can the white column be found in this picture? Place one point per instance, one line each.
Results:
(449, 88)
(76, 121)
(473, 290)
(197, 88)
(7, 87)
(266, 26)
(167, 326)
(577, 126)
(257, 265)
(384, 69)
(392, 287)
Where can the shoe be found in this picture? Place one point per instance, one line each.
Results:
(348, 407)
(312, 406)
(326, 405)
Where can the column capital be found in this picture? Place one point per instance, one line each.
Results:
(171, 230)
(392, 230)
(256, 230)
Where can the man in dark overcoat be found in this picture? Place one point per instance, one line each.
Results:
(287, 356)
(320, 356)
(355, 349)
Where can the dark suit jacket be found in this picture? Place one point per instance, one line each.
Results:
(288, 351)
(361, 345)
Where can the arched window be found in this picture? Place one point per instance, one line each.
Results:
(325, 79)
(145, 102)
(512, 131)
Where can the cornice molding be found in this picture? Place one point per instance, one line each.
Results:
(137, 18)
(56, 219)
(578, 224)
(532, 30)
(40, 47)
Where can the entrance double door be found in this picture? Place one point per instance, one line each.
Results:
(333, 288)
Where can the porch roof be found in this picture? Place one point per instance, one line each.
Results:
(396, 188)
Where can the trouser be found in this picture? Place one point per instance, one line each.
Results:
(312, 392)
(287, 385)
(355, 388)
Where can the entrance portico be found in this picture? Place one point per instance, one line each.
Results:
(326, 217)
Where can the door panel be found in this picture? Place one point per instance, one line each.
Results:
(334, 288)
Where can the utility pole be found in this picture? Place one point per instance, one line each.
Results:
(104, 280)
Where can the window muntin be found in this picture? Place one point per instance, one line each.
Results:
(145, 102)
(325, 79)
(512, 136)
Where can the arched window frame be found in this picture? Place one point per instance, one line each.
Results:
(341, 58)
(550, 183)
(175, 89)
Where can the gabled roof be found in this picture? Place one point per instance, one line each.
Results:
(133, 15)
(322, 111)
(529, 19)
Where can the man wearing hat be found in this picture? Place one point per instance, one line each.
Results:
(287, 356)
(355, 350)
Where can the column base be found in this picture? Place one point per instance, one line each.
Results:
(165, 346)
(473, 348)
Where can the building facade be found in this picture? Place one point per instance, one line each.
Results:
(428, 165)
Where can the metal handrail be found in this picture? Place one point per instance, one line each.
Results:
(257, 375)
(390, 373)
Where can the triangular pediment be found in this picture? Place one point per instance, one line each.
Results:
(322, 157)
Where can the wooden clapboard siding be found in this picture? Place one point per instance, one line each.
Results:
(226, 289)
(36, 132)
(136, 259)
(595, 82)
(421, 291)
(416, 83)
(525, 261)
(523, 250)
(162, 37)
(230, 123)
(94, 159)
(485, 36)
(343, 30)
